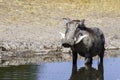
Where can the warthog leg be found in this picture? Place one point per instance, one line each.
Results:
(74, 56)
(101, 54)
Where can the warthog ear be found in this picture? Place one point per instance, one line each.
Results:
(82, 21)
(66, 20)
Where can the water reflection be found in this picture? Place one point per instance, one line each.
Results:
(88, 73)
(64, 71)
(22, 72)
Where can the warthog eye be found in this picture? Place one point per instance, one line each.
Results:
(81, 34)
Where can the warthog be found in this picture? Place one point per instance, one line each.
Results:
(88, 42)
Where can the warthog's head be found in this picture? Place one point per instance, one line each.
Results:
(75, 32)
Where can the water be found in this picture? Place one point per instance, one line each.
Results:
(110, 70)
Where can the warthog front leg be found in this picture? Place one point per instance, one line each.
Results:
(74, 57)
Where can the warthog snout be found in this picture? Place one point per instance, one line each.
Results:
(67, 43)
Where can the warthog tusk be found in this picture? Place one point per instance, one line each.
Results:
(80, 38)
(62, 35)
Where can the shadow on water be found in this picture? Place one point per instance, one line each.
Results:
(88, 73)
(22, 72)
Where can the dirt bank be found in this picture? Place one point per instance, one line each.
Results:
(29, 57)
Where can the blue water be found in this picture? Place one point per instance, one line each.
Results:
(110, 70)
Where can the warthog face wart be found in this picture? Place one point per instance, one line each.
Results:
(74, 32)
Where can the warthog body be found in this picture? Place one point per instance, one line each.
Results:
(88, 42)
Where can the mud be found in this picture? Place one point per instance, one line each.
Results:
(47, 55)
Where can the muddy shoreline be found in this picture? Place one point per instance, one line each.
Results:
(45, 55)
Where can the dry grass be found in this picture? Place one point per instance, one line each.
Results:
(49, 12)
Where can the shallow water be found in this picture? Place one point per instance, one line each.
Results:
(110, 70)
